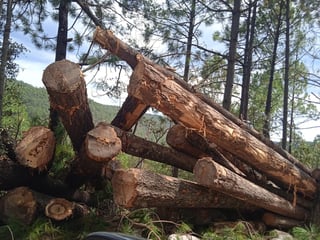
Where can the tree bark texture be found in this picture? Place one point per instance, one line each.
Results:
(130, 112)
(156, 90)
(135, 188)
(140, 147)
(68, 96)
(107, 40)
(215, 176)
(278, 221)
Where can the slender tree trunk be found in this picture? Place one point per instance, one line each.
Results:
(232, 54)
(61, 52)
(4, 55)
(267, 112)
(251, 22)
(291, 130)
(189, 41)
(286, 78)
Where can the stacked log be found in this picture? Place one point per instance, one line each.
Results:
(247, 159)
(233, 166)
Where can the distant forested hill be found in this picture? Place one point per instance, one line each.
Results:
(37, 104)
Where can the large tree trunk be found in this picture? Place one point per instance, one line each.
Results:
(187, 109)
(215, 176)
(232, 56)
(68, 96)
(4, 53)
(134, 188)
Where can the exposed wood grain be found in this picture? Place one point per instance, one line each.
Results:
(156, 90)
(134, 188)
(211, 174)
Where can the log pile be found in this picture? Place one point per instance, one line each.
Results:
(233, 166)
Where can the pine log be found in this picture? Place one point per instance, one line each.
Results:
(211, 174)
(130, 112)
(155, 89)
(140, 147)
(188, 141)
(108, 41)
(136, 188)
(102, 143)
(278, 221)
(59, 209)
(36, 148)
(19, 204)
(178, 136)
(68, 96)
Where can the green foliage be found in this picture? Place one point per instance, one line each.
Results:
(62, 159)
(242, 231)
(306, 233)
(142, 222)
(15, 116)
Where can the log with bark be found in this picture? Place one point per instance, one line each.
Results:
(68, 96)
(36, 148)
(109, 41)
(190, 142)
(25, 205)
(130, 112)
(140, 147)
(278, 221)
(155, 89)
(136, 188)
(213, 175)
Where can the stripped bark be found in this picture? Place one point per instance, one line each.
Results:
(215, 176)
(135, 188)
(107, 40)
(68, 96)
(156, 90)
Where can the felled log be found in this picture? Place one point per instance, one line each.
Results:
(219, 178)
(188, 141)
(108, 41)
(68, 96)
(278, 221)
(36, 148)
(19, 204)
(156, 90)
(178, 137)
(130, 112)
(136, 188)
(140, 147)
(102, 144)
(25, 205)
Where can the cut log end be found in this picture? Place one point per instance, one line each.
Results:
(102, 143)
(59, 209)
(62, 76)
(19, 204)
(36, 148)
